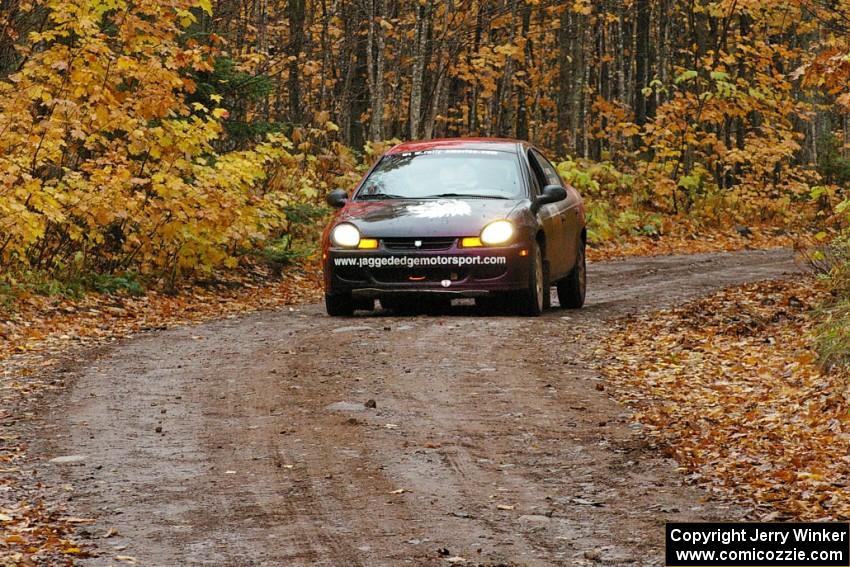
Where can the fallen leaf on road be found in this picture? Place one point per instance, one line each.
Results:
(728, 385)
(585, 502)
(68, 459)
(686, 238)
(73, 520)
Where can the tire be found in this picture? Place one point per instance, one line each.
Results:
(573, 288)
(532, 300)
(339, 305)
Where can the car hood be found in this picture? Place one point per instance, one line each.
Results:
(426, 217)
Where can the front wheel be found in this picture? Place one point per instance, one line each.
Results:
(532, 300)
(339, 305)
(573, 288)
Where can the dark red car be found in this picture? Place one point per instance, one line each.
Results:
(443, 219)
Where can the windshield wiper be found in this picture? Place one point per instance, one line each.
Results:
(379, 196)
(465, 195)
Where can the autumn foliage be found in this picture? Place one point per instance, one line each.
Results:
(174, 137)
(164, 138)
(105, 163)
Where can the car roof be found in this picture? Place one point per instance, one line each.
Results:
(497, 144)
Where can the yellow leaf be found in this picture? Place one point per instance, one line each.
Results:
(206, 6)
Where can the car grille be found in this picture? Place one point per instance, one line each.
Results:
(430, 275)
(426, 243)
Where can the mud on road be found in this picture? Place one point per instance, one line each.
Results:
(248, 441)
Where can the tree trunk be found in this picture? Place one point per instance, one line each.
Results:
(295, 13)
(505, 108)
(845, 148)
(420, 44)
(521, 130)
(473, 104)
(565, 81)
(375, 62)
(642, 17)
(428, 130)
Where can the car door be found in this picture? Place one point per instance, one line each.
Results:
(551, 217)
(567, 215)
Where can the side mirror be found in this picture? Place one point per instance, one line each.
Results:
(337, 198)
(550, 194)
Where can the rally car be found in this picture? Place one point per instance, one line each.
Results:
(442, 219)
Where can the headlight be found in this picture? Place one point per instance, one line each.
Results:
(345, 235)
(498, 232)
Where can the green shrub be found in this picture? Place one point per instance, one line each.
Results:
(117, 283)
(597, 179)
(284, 251)
(613, 201)
(17, 285)
(305, 220)
(833, 334)
(833, 167)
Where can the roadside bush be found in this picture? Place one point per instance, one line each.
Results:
(833, 167)
(617, 205)
(300, 241)
(833, 334)
(647, 202)
(25, 283)
(125, 172)
(139, 166)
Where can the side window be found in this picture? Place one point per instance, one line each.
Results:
(549, 172)
(538, 180)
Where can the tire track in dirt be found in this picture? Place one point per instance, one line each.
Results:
(490, 439)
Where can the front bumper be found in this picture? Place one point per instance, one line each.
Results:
(454, 272)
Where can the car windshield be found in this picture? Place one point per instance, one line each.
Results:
(434, 174)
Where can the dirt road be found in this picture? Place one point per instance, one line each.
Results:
(491, 439)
